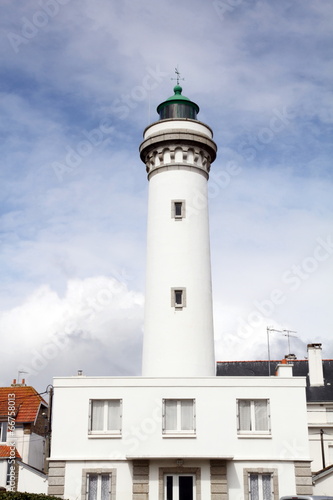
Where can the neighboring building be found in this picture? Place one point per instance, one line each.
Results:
(23, 408)
(323, 481)
(319, 396)
(179, 432)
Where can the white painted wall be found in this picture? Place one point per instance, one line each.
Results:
(316, 375)
(286, 476)
(73, 485)
(31, 481)
(3, 472)
(216, 435)
(183, 125)
(324, 486)
(215, 412)
(36, 446)
(317, 419)
(178, 342)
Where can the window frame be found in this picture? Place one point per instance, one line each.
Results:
(174, 303)
(169, 471)
(101, 471)
(3, 432)
(178, 431)
(261, 471)
(111, 433)
(253, 432)
(176, 485)
(174, 214)
(260, 485)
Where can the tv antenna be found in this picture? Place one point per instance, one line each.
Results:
(286, 333)
(20, 372)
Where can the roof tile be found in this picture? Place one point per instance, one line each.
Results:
(27, 403)
(5, 451)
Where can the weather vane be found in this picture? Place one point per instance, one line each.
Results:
(178, 76)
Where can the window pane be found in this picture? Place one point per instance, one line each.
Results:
(3, 432)
(261, 417)
(245, 415)
(187, 415)
(92, 487)
(97, 415)
(169, 488)
(178, 208)
(114, 415)
(105, 487)
(178, 297)
(186, 487)
(254, 486)
(170, 415)
(266, 487)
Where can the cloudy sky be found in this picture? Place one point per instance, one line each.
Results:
(80, 80)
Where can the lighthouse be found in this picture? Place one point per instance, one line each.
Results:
(178, 151)
(179, 432)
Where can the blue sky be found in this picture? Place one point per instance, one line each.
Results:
(79, 83)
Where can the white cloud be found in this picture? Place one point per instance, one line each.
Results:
(66, 231)
(46, 329)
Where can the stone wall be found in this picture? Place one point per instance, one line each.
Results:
(303, 477)
(57, 479)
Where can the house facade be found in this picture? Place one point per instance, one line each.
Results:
(158, 438)
(23, 436)
(318, 374)
(179, 432)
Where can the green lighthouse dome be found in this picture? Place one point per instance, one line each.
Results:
(178, 106)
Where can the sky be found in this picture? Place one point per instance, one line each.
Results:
(80, 81)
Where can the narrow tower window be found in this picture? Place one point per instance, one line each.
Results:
(178, 297)
(178, 209)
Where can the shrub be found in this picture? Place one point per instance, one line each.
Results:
(17, 495)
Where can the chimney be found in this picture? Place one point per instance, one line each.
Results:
(316, 374)
(284, 369)
(290, 357)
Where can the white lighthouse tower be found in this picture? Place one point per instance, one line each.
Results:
(179, 432)
(178, 335)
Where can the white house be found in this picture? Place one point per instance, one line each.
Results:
(179, 432)
(319, 395)
(23, 438)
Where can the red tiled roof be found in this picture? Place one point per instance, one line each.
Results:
(5, 451)
(27, 402)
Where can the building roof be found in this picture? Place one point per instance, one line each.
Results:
(190, 109)
(300, 369)
(327, 471)
(27, 403)
(5, 452)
